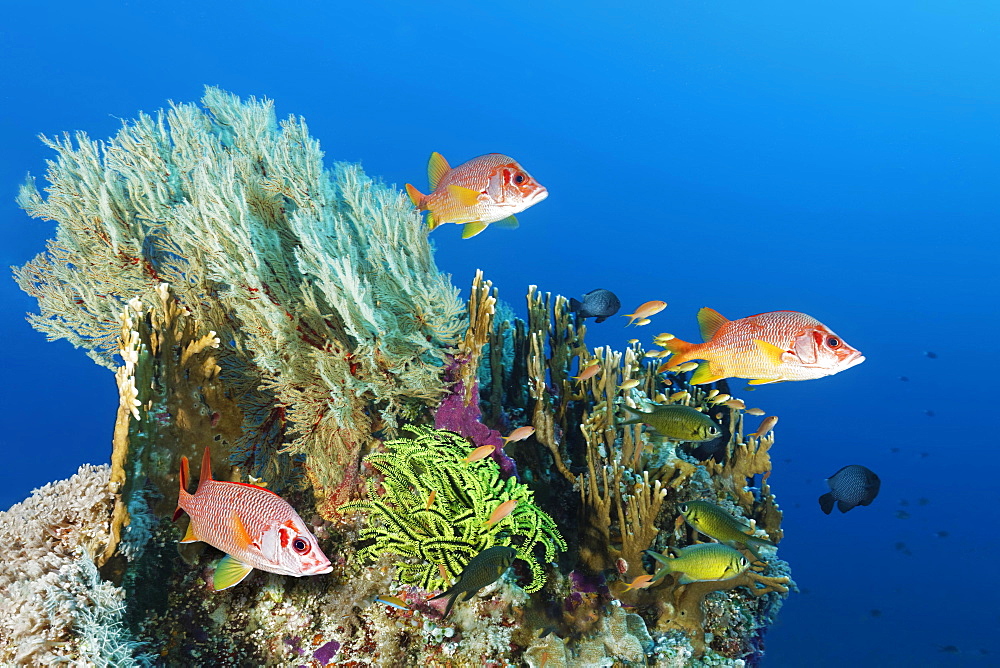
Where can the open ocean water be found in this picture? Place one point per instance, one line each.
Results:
(839, 159)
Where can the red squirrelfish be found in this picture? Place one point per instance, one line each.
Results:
(484, 190)
(255, 527)
(765, 348)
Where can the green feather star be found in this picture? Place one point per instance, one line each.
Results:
(451, 529)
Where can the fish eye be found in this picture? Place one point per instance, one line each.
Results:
(683, 507)
(519, 179)
(712, 431)
(833, 342)
(300, 545)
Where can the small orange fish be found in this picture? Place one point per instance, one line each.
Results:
(501, 511)
(484, 190)
(588, 372)
(765, 426)
(518, 434)
(765, 348)
(640, 582)
(755, 411)
(255, 527)
(430, 499)
(482, 452)
(645, 311)
(629, 384)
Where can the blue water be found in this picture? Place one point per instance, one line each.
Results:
(840, 159)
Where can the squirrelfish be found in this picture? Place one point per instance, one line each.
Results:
(716, 523)
(765, 348)
(701, 563)
(851, 486)
(484, 190)
(600, 304)
(676, 422)
(645, 310)
(255, 527)
(483, 570)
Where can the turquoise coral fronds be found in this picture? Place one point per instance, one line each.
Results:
(433, 510)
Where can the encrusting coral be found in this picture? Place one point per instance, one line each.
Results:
(291, 319)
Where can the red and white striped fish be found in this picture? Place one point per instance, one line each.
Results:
(765, 348)
(484, 190)
(255, 527)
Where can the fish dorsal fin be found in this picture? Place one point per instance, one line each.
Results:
(710, 320)
(437, 167)
(508, 223)
(472, 229)
(770, 351)
(466, 197)
(206, 468)
(189, 535)
(243, 539)
(229, 572)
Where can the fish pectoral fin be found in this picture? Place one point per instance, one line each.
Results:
(228, 572)
(508, 223)
(437, 167)
(243, 539)
(465, 196)
(189, 535)
(770, 351)
(472, 229)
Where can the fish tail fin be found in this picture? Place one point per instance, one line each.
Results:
(636, 415)
(182, 477)
(574, 304)
(826, 502)
(757, 540)
(680, 352)
(415, 195)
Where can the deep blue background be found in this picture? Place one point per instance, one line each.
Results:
(839, 159)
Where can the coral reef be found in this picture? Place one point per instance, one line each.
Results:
(292, 320)
(54, 607)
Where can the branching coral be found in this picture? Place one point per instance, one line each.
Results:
(435, 507)
(320, 284)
